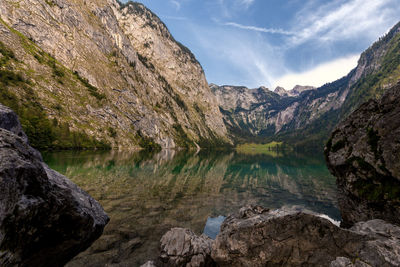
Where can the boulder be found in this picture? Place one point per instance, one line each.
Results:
(9, 121)
(182, 247)
(364, 154)
(258, 237)
(45, 219)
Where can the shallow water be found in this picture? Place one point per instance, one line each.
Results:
(145, 195)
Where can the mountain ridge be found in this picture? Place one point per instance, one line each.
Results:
(119, 94)
(305, 120)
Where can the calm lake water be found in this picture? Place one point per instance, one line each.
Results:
(146, 195)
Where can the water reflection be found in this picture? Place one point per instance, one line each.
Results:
(213, 226)
(145, 195)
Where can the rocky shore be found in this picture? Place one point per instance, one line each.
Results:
(363, 153)
(45, 219)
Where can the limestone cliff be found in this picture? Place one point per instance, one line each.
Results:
(106, 72)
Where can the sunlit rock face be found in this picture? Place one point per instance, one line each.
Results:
(363, 153)
(45, 219)
(119, 68)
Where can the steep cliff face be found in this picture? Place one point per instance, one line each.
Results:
(108, 72)
(363, 153)
(252, 112)
(261, 113)
(305, 116)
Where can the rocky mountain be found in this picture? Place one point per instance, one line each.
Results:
(305, 116)
(99, 73)
(296, 91)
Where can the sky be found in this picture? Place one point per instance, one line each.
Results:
(276, 42)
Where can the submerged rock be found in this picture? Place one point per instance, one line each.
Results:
(182, 247)
(45, 219)
(364, 154)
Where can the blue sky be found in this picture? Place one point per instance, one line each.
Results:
(276, 42)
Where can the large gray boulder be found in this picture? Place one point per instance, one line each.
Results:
(45, 219)
(364, 155)
(258, 237)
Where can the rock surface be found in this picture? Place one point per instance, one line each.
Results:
(9, 121)
(119, 68)
(182, 247)
(45, 219)
(258, 237)
(363, 153)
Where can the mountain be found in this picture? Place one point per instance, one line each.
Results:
(305, 119)
(297, 90)
(84, 74)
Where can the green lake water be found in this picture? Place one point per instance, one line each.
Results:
(145, 195)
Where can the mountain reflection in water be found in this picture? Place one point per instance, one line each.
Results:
(145, 195)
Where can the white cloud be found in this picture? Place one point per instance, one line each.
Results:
(230, 7)
(332, 21)
(176, 4)
(246, 3)
(319, 75)
(258, 29)
(246, 57)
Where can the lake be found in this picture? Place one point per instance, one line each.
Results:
(147, 194)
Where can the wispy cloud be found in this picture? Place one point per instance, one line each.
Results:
(335, 21)
(176, 4)
(245, 3)
(319, 75)
(247, 57)
(230, 7)
(258, 29)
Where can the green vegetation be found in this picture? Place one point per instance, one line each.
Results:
(146, 62)
(168, 88)
(371, 85)
(92, 90)
(147, 143)
(42, 132)
(387, 189)
(273, 148)
(6, 53)
(112, 132)
(50, 3)
(181, 138)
